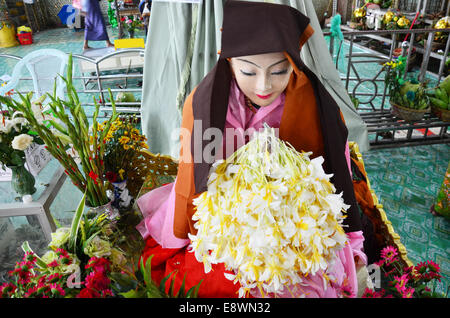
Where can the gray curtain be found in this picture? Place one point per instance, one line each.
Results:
(182, 45)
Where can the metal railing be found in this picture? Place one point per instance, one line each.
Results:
(385, 129)
(93, 81)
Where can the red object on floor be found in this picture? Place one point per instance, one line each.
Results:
(179, 260)
(25, 38)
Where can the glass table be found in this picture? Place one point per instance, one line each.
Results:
(53, 205)
(48, 184)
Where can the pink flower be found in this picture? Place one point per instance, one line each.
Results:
(53, 278)
(399, 283)
(7, 289)
(389, 254)
(427, 271)
(57, 290)
(368, 293)
(61, 252)
(53, 263)
(30, 257)
(433, 266)
(408, 293)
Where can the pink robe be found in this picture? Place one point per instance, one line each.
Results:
(158, 205)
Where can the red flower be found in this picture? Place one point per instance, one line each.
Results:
(53, 263)
(7, 289)
(88, 293)
(30, 257)
(427, 271)
(57, 290)
(433, 266)
(99, 264)
(111, 176)
(53, 278)
(93, 176)
(107, 292)
(368, 293)
(97, 281)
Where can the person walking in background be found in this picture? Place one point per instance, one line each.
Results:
(95, 27)
(145, 7)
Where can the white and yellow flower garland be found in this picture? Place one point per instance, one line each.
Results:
(270, 214)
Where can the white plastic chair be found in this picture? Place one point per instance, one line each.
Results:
(45, 66)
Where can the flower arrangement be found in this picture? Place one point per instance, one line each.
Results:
(72, 132)
(87, 250)
(358, 18)
(393, 21)
(442, 23)
(122, 144)
(270, 214)
(94, 258)
(131, 24)
(409, 282)
(408, 93)
(15, 136)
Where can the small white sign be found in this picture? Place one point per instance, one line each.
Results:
(5, 175)
(180, 1)
(36, 157)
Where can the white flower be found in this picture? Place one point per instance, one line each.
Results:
(270, 214)
(21, 142)
(60, 237)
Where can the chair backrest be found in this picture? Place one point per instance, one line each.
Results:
(44, 66)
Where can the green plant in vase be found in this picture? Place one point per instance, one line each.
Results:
(15, 137)
(409, 93)
(69, 131)
(131, 24)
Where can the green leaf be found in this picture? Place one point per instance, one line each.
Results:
(132, 293)
(146, 269)
(26, 248)
(172, 284)
(76, 224)
(193, 291)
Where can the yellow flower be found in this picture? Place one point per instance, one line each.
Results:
(121, 172)
(402, 22)
(126, 147)
(124, 140)
(388, 17)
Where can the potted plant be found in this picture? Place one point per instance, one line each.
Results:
(15, 137)
(358, 18)
(123, 143)
(71, 139)
(440, 100)
(408, 97)
(131, 24)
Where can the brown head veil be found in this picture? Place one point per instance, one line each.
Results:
(251, 28)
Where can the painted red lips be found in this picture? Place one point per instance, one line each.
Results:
(264, 96)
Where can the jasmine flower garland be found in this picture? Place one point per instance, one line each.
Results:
(270, 214)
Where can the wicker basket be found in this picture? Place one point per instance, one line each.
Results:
(408, 114)
(443, 114)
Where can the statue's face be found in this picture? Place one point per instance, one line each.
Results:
(262, 77)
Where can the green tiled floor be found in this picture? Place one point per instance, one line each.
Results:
(405, 179)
